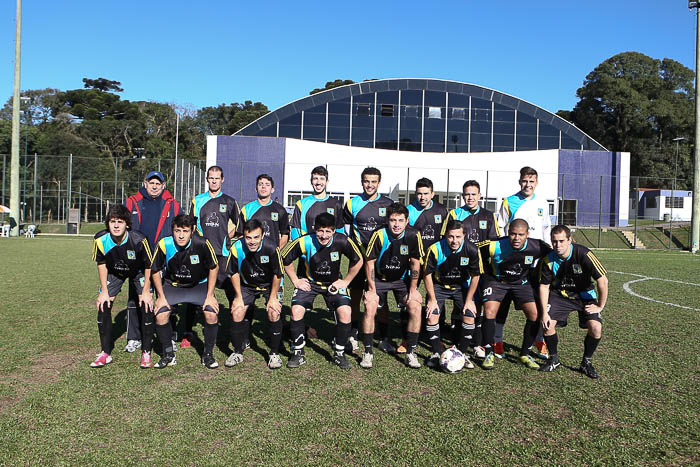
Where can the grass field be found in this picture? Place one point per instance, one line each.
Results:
(644, 408)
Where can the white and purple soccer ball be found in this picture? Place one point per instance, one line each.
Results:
(452, 360)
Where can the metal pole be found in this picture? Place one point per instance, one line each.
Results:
(447, 204)
(69, 191)
(36, 163)
(58, 203)
(636, 215)
(600, 210)
(4, 171)
(695, 221)
(177, 140)
(408, 181)
(116, 166)
(101, 199)
(41, 203)
(24, 190)
(14, 158)
(486, 194)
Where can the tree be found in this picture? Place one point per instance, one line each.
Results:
(228, 119)
(102, 84)
(638, 104)
(332, 84)
(37, 109)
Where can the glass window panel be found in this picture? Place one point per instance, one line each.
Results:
(270, 130)
(410, 114)
(503, 128)
(315, 123)
(290, 127)
(457, 123)
(527, 133)
(339, 122)
(363, 121)
(387, 121)
(480, 125)
(549, 137)
(567, 142)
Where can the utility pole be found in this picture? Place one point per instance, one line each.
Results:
(695, 220)
(14, 159)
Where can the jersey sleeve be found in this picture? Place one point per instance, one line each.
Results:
(494, 232)
(283, 221)
(277, 265)
(339, 221)
(546, 275)
(374, 248)
(503, 216)
(295, 223)
(145, 250)
(476, 267)
(211, 261)
(158, 263)
(593, 265)
(546, 225)
(545, 249)
(450, 216)
(232, 263)
(417, 251)
(431, 260)
(352, 252)
(193, 207)
(98, 252)
(347, 212)
(291, 251)
(234, 215)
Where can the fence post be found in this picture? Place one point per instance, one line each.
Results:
(41, 202)
(101, 199)
(447, 204)
(36, 163)
(636, 214)
(600, 210)
(4, 170)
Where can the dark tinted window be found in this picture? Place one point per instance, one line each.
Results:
(363, 120)
(387, 120)
(549, 137)
(435, 114)
(339, 122)
(503, 128)
(270, 130)
(410, 115)
(527, 132)
(567, 142)
(480, 137)
(290, 127)
(457, 123)
(315, 123)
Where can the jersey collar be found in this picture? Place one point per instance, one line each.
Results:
(466, 208)
(319, 246)
(258, 201)
(391, 235)
(221, 192)
(182, 248)
(126, 237)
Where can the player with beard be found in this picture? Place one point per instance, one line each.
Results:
(306, 209)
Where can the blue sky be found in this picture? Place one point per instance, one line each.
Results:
(205, 53)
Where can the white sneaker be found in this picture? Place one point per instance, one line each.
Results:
(132, 346)
(367, 359)
(234, 359)
(479, 352)
(412, 360)
(468, 363)
(275, 361)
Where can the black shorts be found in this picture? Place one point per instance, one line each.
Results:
(497, 291)
(399, 288)
(359, 281)
(114, 284)
(560, 307)
(251, 293)
(223, 280)
(458, 296)
(192, 295)
(333, 301)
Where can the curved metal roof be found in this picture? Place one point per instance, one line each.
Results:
(381, 85)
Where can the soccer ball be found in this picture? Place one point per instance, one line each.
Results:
(452, 360)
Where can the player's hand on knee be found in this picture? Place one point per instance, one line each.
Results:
(102, 298)
(146, 300)
(371, 297)
(593, 308)
(162, 303)
(415, 296)
(546, 321)
(303, 284)
(274, 307)
(432, 309)
(469, 306)
(212, 303)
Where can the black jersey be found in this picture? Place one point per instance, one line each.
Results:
(256, 268)
(126, 259)
(452, 269)
(428, 221)
(184, 266)
(479, 226)
(393, 253)
(365, 217)
(272, 216)
(572, 277)
(318, 263)
(509, 265)
(215, 218)
(308, 208)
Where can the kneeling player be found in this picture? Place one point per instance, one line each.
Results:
(122, 255)
(511, 258)
(566, 285)
(255, 268)
(452, 271)
(392, 252)
(318, 273)
(184, 270)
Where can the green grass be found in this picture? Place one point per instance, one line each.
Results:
(85, 228)
(608, 239)
(644, 409)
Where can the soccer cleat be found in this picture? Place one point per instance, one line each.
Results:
(146, 361)
(296, 360)
(498, 349)
(433, 360)
(403, 348)
(367, 360)
(468, 363)
(479, 352)
(186, 343)
(412, 360)
(529, 362)
(167, 360)
(132, 346)
(340, 360)
(552, 364)
(209, 361)
(102, 359)
(539, 350)
(588, 369)
(387, 346)
(352, 341)
(488, 362)
(274, 362)
(234, 359)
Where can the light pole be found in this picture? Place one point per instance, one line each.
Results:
(695, 220)
(673, 190)
(24, 113)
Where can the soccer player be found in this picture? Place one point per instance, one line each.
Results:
(217, 220)
(479, 225)
(566, 285)
(452, 271)
(535, 211)
(393, 263)
(152, 210)
(185, 270)
(122, 255)
(364, 214)
(308, 208)
(425, 214)
(318, 273)
(255, 268)
(511, 258)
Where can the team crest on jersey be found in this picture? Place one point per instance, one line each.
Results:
(540, 212)
(382, 212)
(274, 216)
(335, 256)
(331, 211)
(483, 225)
(222, 208)
(438, 219)
(463, 261)
(404, 249)
(528, 260)
(131, 254)
(264, 259)
(194, 259)
(577, 269)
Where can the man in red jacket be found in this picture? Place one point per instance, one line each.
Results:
(152, 210)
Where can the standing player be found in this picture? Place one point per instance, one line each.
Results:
(217, 221)
(535, 211)
(255, 268)
(511, 259)
(122, 255)
(566, 285)
(452, 271)
(184, 270)
(308, 208)
(318, 273)
(479, 225)
(365, 214)
(392, 263)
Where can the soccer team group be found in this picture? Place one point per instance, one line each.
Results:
(460, 256)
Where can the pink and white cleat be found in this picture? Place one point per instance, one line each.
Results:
(103, 358)
(146, 361)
